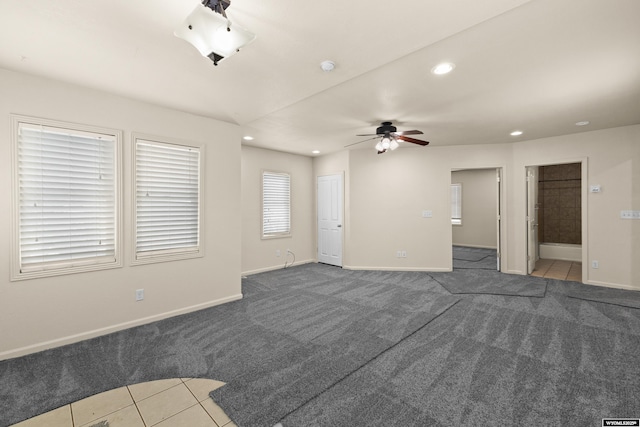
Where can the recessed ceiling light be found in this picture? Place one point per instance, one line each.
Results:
(247, 138)
(516, 133)
(327, 65)
(316, 152)
(444, 68)
(582, 123)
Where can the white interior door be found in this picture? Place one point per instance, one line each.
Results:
(532, 218)
(330, 200)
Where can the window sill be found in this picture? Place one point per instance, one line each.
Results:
(167, 257)
(52, 271)
(276, 236)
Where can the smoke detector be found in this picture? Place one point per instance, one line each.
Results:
(327, 65)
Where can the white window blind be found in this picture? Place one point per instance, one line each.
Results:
(456, 204)
(67, 198)
(276, 209)
(167, 199)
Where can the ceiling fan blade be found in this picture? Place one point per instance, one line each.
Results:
(410, 132)
(369, 134)
(412, 140)
(364, 140)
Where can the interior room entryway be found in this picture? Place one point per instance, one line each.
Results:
(476, 218)
(330, 219)
(554, 221)
(558, 269)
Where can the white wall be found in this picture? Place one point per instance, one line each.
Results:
(612, 160)
(389, 192)
(260, 254)
(41, 313)
(479, 208)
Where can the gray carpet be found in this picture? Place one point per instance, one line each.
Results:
(474, 258)
(316, 345)
(335, 328)
(299, 329)
(478, 366)
(622, 297)
(478, 281)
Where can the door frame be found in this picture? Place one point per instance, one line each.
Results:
(501, 212)
(531, 218)
(342, 226)
(584, 202)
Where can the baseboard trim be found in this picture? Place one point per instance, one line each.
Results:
(59, 342)
(611, 285)
(520, 272)
(425, 269)
(275, 267)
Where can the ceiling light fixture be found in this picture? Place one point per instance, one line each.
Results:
(516, 133)
(583, 123)
(387, 142)
(444, 68)
(247, 138)
(327, 65)
(209, 30)
(316, 152)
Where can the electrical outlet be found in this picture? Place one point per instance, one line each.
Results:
(277, 252)
(139, 294)
(404, 254)
(595, 264)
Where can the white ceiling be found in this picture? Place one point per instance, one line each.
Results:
(535, 65)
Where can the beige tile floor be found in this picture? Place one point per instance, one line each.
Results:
(177, 402)
(556, 269)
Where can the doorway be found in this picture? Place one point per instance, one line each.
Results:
(554, 221)
(330, 215)
(476, 218)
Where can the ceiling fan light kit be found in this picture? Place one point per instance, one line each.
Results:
(389, 137)
(209, 30)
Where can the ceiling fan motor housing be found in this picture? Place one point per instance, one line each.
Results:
(386, 127)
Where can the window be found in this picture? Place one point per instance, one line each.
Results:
(456, 204)
(66, 198)
(276, 208)
(168, 205)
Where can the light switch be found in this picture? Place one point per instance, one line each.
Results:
(594, 188)
(630, 214)
(427, 214)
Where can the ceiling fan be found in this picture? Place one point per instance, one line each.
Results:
(389, 137)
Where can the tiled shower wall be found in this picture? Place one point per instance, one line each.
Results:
(559, 204)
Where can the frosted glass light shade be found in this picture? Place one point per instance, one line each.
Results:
(207, 31)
